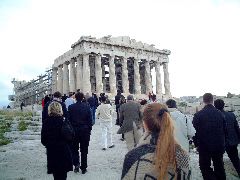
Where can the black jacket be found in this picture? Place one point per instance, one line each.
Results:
(59, 157)
(80, 116)
(45, 110)
(210, 129)
(92, 102)
(232, 129)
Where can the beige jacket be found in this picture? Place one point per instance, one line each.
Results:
(104, 112)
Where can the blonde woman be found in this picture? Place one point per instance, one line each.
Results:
(59, 160)
(159, 157)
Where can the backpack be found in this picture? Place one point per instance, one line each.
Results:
(67, 130)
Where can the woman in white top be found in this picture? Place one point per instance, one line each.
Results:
(104, 114)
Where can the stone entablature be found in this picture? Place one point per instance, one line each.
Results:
(121, 46)
(110, 63)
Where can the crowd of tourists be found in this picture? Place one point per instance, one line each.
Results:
(157, 135)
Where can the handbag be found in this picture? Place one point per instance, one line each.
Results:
(67, 130)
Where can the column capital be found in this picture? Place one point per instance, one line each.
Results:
(72, 60)
(67, 62)
(157, 62)
(79, 56)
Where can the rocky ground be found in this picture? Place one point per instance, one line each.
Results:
(25, 157)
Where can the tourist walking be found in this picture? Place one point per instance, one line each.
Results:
(158, 156)
(46, 99)
(184, 129)
(59, 160)
(104, 114)
(122, 101)
(129, 113)
(57, 96)
(233, 134)
(117, 104)
(210, 139)
(22, 105)
(92, 102)
(64, 97)
(81, 120)
(70, 100)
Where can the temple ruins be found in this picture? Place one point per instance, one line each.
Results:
(111, 63)
(101, 65)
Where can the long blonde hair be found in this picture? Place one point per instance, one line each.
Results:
(161, 122)
(55, 109)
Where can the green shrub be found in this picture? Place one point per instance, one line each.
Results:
(22, 125)
(4, 141)
(8, 117)
(5, 126)
(28, 118)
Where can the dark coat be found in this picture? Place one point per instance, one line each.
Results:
(117, 99)
(92, 102)
(59, 157)
(129, 113)
(45, 110)
(232, 128)
(80, 116)
(210, 129)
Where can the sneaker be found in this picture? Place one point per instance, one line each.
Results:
(104, 149)
(122, 139)
(111, 146)
(76, 169)
(84, 171)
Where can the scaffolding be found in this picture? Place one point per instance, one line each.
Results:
(33, 91)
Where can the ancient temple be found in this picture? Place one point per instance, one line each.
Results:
(110, 63)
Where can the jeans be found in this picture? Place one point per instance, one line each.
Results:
(93, 111)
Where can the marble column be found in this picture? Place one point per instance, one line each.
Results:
(79, 73)
(86, 84)
(98, 74)
(72, 80)
(158, 79)
(112, 75)
(166, 80)
(125, 81)
(148, 80)
(54, 80)
(65, 78)
(137, 86)
(60, 79)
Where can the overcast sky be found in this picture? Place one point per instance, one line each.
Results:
(203, 36)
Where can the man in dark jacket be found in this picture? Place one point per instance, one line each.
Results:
(92, 102)
(81, 120)
(57, 96)
(210, 134)
(233, 134)
(117, 103)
